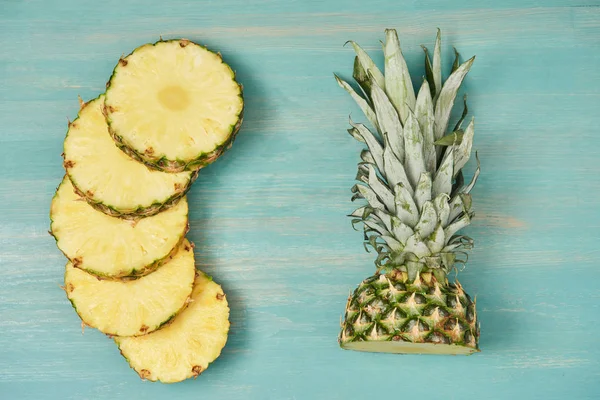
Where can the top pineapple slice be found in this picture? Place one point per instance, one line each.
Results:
(173, 105)
(110, 180)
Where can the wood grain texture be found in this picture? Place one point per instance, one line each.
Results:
(269, 217)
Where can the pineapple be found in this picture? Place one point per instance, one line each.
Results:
(131, 307)
(111, 181)
(173, 105)
(188, 344)
(113, 247)
(415, 204)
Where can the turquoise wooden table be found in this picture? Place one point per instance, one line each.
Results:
(269, 217)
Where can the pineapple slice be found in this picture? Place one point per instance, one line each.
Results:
(188, 344)
(111, 181)
(173, 105)
(113, 247)
(133, 307)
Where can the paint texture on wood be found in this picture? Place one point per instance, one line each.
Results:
(269, 218)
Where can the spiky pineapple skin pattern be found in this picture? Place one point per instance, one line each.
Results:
(141, 212)
(389, 307)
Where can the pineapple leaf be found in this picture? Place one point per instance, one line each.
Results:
(392, 243)
(442, 208)
(406, 209)
(429, 72)
(423, 192)
(416, 246)
(393, 168)
(458, 206)
(360, 76)
(385, 219)
(437, 65)
(452, 139)
(387, 120)
(383, 192)
(362, 103)
(436, 240)
(463, 115)
(360, 212)
(428, 220)
(400, 230)
(375, 227)
(445, 100)
(470, 186)
(398, 84)
(457, 225)
(425, 116)
(413, 145)
(372, 143)
(463, 151)
(368, 194)
(354, 133)
(443, 179)
(456, 63)
(367, 157)
(367, 64)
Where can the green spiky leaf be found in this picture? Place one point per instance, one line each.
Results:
(398, 84)
(425, 116)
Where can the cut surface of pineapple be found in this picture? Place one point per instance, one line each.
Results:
(188, 344)
(173, 105)
(109, 179)
(113, 247)
(133, 307)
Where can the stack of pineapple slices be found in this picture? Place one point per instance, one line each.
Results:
(120, 215)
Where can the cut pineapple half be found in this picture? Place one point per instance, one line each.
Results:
(173, 105)
(110, 180)
(133, 307)
(113, 247)
(191, 341)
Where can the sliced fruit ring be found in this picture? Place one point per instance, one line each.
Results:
(188, 344)
(137, 306)
(111, 181)
(113, 247)
(173, 105)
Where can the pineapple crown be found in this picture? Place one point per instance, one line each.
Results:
(410, 174)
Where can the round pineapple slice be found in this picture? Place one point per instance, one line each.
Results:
(110, 180)
(173, 105)
(133, 307)
(113, 247)
(188, 344)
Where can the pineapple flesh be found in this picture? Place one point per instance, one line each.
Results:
(110, 180)
(188, 344)
(415, 202)
(173, 105)
(113, 247)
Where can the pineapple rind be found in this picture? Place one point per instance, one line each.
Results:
(111, 164)
(133, 307)
(160, 161)
(391, 307)
(112, 267)
(186, 346)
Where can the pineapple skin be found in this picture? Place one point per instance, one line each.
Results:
(163, 163)
(389, 307)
